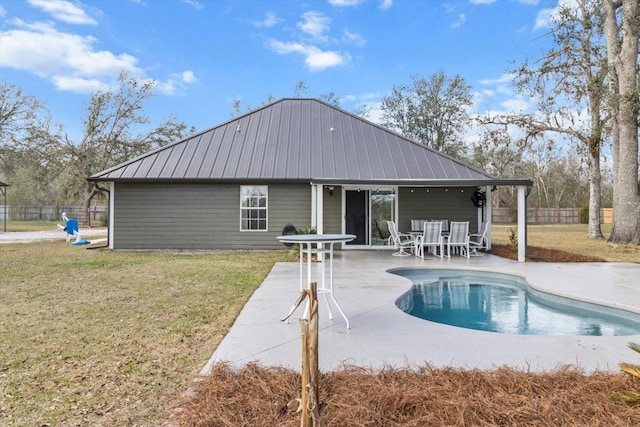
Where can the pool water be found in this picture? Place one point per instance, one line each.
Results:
(503, 303)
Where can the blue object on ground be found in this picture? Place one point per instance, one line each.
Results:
(81, 242)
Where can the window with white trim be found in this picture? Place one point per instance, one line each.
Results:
(253, 207)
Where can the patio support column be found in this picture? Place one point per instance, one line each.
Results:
(110, 233)
(522, 223)
(488, 213)
(317, 207)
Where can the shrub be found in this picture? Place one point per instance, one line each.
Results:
(584, 215)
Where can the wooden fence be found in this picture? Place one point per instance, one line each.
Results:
(53, 213)
(547, 216)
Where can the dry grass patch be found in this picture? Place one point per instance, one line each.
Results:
(354, 396)
(566, 243)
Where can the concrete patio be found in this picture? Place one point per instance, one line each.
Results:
(381, 335)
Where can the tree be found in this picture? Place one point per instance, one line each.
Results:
(18, 112)
(23, 121)
(497, 153)
(432, 111)
(570, 77)
(621, 32)
(108, 135)
(114, 130)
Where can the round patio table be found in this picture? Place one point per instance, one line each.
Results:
(308, 241)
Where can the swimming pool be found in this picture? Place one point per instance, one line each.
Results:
(504, 303)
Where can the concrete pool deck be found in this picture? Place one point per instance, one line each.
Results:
(381, 335)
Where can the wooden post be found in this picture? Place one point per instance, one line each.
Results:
(310, 401)
(304, 400)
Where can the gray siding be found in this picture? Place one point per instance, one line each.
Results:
(201, 216)
(332, 210)
(436, 203)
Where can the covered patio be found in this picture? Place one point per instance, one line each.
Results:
(382, 335)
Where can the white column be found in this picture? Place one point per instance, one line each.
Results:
(522, 223)
(319, 209)
(112, 190)
(314, 217)
(489, 213)
(317, 218)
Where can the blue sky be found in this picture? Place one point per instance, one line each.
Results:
(204, 54)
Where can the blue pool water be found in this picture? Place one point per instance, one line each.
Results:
(503, 303)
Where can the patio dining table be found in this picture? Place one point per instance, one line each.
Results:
(308, 241)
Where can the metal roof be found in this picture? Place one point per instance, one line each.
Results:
(300, 140)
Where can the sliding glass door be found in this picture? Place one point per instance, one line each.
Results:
(383, 208)
(366, 214)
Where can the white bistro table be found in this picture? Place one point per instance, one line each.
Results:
(308, 241)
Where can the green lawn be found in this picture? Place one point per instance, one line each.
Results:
(101, 338)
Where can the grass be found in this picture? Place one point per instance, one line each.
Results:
(570, 238)
(102, 338)
(30, 225)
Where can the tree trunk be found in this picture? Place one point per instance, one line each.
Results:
(623, 63)
(595, 192)
(91, 191)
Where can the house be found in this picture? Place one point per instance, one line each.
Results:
(294, 161)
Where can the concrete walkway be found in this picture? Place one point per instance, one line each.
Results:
(382, 335)
(34, 236)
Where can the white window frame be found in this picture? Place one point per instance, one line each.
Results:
(254, 192)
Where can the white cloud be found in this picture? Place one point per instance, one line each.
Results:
(64, 11)
(345, 3)
(517, 105)
(61, 57)
(79, 84)
(459, 21)
(385, 4)
(353, 38)
(188, 77)
(543, 18)
(269, 20)
(503, 84)
(3, 12)
(194, 3)
(315, 59)
(315, 24)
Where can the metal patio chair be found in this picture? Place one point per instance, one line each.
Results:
(431, 239)
(401, 241)
(458, 238)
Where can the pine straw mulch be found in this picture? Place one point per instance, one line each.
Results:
(355, 396)
(538, 254)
